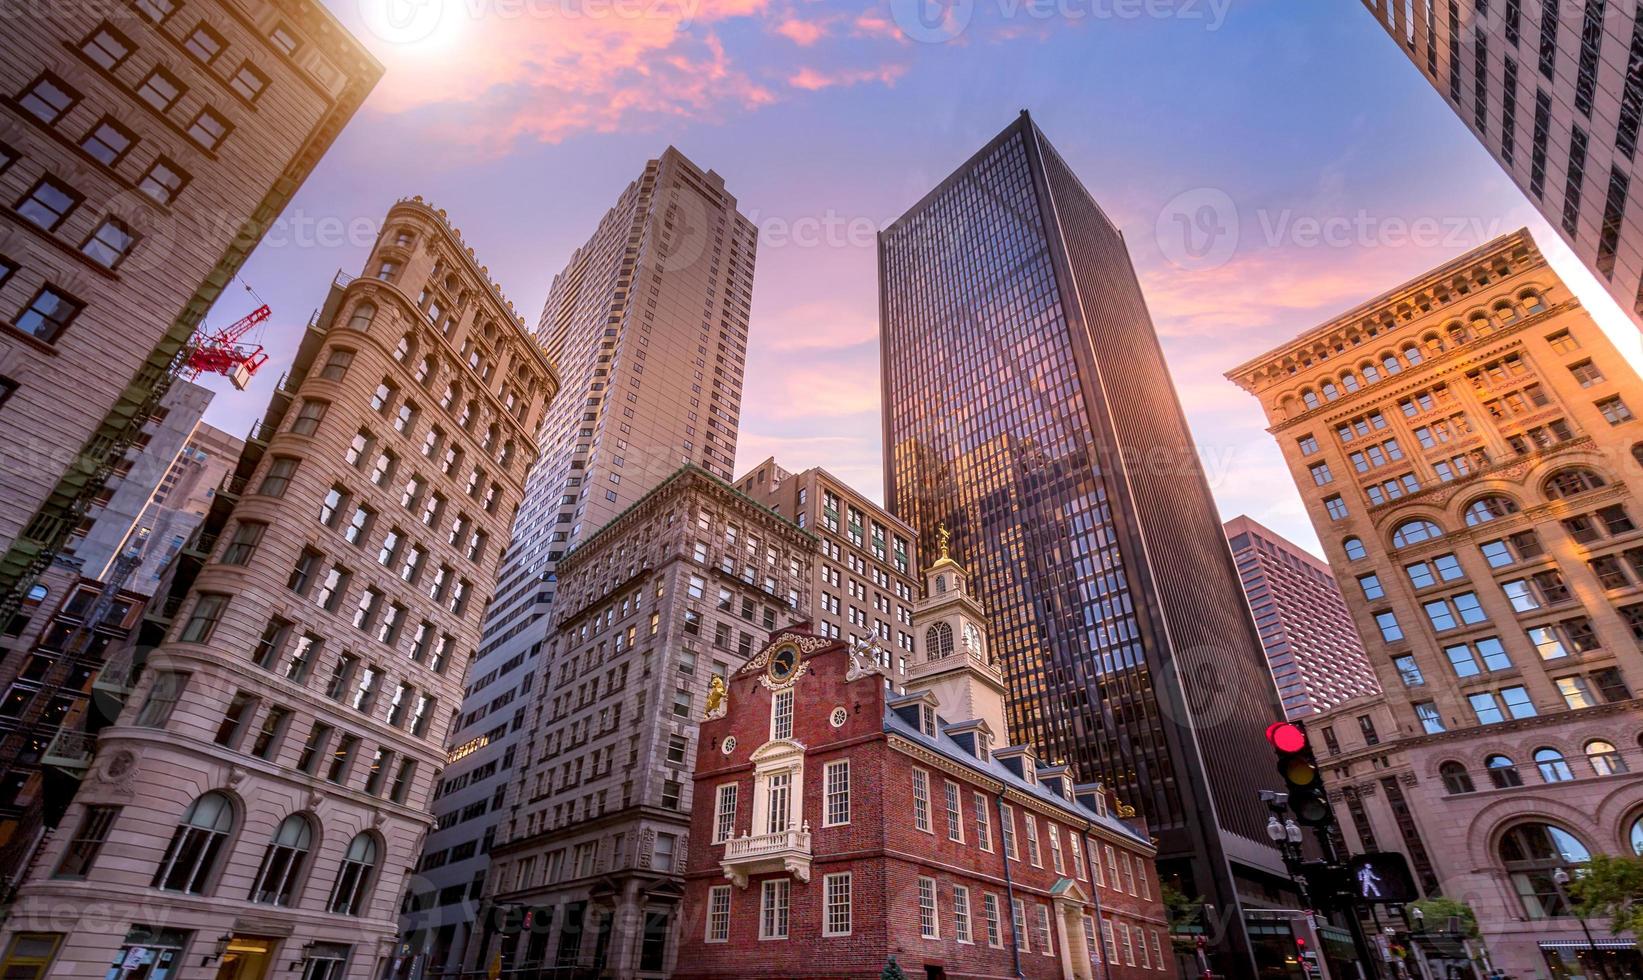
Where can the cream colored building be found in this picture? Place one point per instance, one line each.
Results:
(255, 808)
(145, 149)
(1467, 450)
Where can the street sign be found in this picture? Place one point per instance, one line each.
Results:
(1380, 878)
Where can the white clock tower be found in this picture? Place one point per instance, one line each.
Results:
(951, 657)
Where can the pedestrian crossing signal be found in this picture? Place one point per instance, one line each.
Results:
(1382, 878)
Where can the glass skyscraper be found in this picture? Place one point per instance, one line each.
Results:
(1028, 409)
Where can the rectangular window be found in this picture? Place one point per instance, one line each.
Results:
(984, 829)
(49, 314)
(1033, 853)
(163, 181)
(1006, 825)
(1018, 925)
(235, 720)
(202, 621)
(82, 850)
(248, 83)
(961, 914)
(108, 142)
(773, 909)
(837, 920)
(50, 98)
(1041, 926)
(921, 800)
(48, 203)
(955, 819)
(836, 777)
(989, 915)
(161, 90)
(781, 715)
(929, 926)
(718, 914)
(162, 699)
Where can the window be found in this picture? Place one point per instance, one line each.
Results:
(244, 543)
(235, 719)
(929, 925)
(779, 817)
(955, 819)
(1371, 585)
(204, 43)
(1391, 632)
(282, 862)
(309, 417)
(961, 914)
(837, 919)
(109, 245)
(1414, 532)
(1431, 721)
(1034, 855)
(773, 900)
(198, 842)
(278, 476)
(1586, 373)
(1354, 549)
(202, 622)
(354, 876)
(1576, 692)
(1553, 767)
(48, 203)
(989, 916)
(1006, 824)
(108, 142)
(921, 800)
(781, 715)
(724, 813)
(50, 98)
(1531, 854)
(1041, 929)
(836, 777)
(1336, 507)
(1409, 672)
(1320, 474)
(1018, 925)
(161, 90)
(1456, 780)
(87, 842)
(284, 39)
(209, 129)
(1503, 772)
(1614, 410)
(248, 83)
(49, 314)
(718, 914)
(337, 362)
(984, 831)
(1604, 758)
(163, 181)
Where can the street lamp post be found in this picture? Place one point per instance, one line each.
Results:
(1560, 877)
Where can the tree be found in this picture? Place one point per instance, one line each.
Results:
(1183, 914)
(892, 970)
(1611, 886)
(1436, 911)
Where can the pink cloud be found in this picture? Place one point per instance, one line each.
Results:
(873, 23)
(818, 326)
(804, 33)
(813, 79)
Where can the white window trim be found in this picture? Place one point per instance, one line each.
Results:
(767, 891)
(966, 934)
(849, 905)
(935, 909)
(827, 793)
(719, 811)
(707, 932)
(952, 808)
(920, 775)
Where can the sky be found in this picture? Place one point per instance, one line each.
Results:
(1271, 163)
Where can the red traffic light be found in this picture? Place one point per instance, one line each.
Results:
(1286, 737)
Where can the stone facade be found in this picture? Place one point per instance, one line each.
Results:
(268, 779)
(840, 823)
(1466, 448)
(145, 149)
(668, 596)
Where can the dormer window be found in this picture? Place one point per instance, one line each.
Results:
(984, 746)
(927, 719)
(1101, 803)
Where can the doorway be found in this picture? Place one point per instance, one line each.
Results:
(247, 958)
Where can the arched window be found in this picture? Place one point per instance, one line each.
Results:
(1502, 771)
(199, 840)
(1413, 355)
(491, 433)
(1635, 837)
(1371, 373)
(1349, 381)
(1485, 509)
(1354, 548)
(1455, 777)
(336, 364)
(1605, 758)
(1458, 335)
(1413, 532)
(1506, 312)
(1531, 301)
(1310, 398)
(1392, 365)
(37, 592)
(1637, 452)
(1553, 767)
(938, 642)
(276, 881)
(424, 371)
(354, 876)
(403, 349)
(1568, 482)
(469, 411)
(1532, 853)
(941, 584)
(1330, 391)
(364, 313)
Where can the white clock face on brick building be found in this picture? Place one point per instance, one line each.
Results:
(783, 663)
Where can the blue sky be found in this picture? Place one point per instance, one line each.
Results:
(525, 118)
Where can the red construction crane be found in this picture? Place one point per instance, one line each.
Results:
(220, 352)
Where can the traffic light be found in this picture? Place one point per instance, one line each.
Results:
(1296, 764)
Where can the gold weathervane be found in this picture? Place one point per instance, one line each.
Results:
(942, 534)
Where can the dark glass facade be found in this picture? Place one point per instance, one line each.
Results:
(1027, 408)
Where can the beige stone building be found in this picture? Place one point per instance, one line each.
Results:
(1467, 449)
(145, 149)
(864, 581)
(677, 591)
(255, 807)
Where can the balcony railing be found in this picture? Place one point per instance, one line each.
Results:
(787, 851)
(69, 750)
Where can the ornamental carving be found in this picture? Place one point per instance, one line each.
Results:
(718, 699)
(806, 644)
(867, 656)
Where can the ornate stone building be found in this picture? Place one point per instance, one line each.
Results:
(670, 595)
(843, 821)
(1467, 449)
(255, 806)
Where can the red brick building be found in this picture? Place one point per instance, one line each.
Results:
(839, 822)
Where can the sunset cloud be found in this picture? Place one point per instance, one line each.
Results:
(815, 79)
(802, 32)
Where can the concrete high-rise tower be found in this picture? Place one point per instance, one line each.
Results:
(1551, 91)
(1028, 409)
(648, 325)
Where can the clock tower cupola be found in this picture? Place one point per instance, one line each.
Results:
(951, 656)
